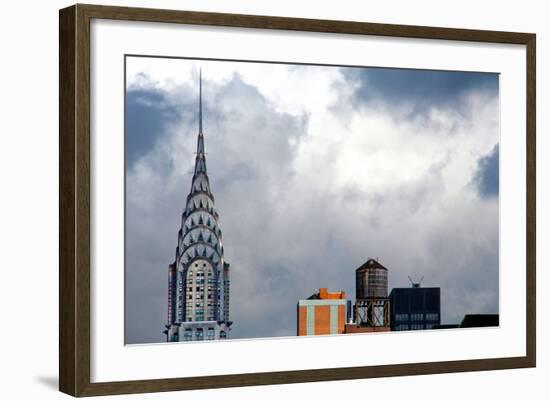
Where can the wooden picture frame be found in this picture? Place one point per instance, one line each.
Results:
(74, 199)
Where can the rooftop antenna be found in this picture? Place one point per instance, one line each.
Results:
(415, 285)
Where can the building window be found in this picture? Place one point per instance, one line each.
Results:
(401, 317)
(432, 316)
(417, 317)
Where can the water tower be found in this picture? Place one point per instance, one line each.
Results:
(372, 306)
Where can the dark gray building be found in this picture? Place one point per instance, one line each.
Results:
(415, 308)
(480, 320)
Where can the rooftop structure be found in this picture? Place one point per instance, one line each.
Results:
(371, 293)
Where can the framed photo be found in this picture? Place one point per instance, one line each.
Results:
(250, 200)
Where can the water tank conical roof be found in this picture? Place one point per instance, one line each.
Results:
(371, 264)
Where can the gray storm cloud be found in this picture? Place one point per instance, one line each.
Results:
(291, 223)
(487, 176)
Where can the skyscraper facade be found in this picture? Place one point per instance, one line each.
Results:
(415, 308)
(198, 279)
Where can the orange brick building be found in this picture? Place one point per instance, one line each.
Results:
(322, 313)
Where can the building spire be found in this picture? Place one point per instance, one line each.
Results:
(200, 101)
(200, 161)
(199, 239)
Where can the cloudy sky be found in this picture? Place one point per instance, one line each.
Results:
(314, 170)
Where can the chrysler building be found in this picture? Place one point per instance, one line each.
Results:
(198, 279)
